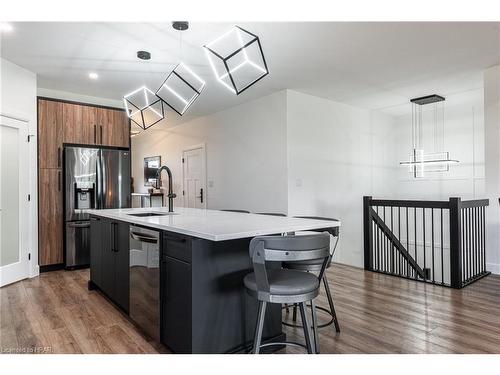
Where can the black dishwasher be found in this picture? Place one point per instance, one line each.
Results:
(145, 279)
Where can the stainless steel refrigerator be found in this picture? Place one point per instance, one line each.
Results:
(94, 178)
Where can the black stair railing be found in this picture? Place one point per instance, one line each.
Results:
(439, 242)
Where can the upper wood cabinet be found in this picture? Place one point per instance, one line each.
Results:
(72, 123)
(113, 127)
(121, 124)
(50, 134)
(89, 125)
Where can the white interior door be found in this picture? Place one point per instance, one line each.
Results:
(194, 177)
(14, 206)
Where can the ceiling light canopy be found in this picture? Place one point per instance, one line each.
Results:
(237, 59)
(143, 107)
(93, 75)
(144, 55)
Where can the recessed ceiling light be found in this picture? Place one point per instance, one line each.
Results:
(93, 75)
(6, 27)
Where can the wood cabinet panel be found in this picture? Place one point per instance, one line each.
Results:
(89, 125)
(72, 123)
(121, 129)
(50, 134)
(113, 127)
(50, 217)
(105, 125)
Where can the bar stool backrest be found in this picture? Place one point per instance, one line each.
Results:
(287, 249)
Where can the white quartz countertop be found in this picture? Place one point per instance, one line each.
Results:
(214, 225)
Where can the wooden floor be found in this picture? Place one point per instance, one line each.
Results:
(55, 313)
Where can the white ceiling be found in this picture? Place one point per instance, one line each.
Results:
(370, 65)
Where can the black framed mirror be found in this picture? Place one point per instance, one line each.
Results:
(151, 165)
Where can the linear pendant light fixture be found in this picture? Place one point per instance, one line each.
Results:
(237, 59)
(438, 160)
(182, 86)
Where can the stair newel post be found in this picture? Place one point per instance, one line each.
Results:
(455, 243)
(367, 233)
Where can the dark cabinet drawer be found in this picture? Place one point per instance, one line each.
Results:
(177, 246)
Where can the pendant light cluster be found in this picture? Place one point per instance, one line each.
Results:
(236, 58)
(421, 161)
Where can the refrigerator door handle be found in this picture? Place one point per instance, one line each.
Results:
(98, 178)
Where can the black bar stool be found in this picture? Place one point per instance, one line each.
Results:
(315, 266)
(241, 211)
(286, 285)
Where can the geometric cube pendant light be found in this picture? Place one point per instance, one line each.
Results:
(181, 88)
(237, 59)
(143, 107)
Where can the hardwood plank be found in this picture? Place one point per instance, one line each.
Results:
(55, 313)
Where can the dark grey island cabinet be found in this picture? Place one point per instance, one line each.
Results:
(202, 259)
(203, 304)
(109, 259)
(205, 308)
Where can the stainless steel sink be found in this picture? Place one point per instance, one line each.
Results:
(146, 214)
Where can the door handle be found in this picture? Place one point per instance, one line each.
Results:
(95, 133)
(143, 238)
(113, 237)
(59, 180)
(174, 239)
(201, 195)
(59, 157)
(86, 225)
(100, 131)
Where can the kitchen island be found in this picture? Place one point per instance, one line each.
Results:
(200, 301)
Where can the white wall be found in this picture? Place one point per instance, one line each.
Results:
(246, 154)
(492, 163)
(18, 100)
(464, 129)
(336, 155)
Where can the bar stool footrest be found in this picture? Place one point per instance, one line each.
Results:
(324, 309)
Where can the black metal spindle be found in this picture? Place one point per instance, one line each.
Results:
(469, 250)
(407, 245)
(442, 250)
(464, 242)
(423, 236)
(483, 245)
(392, 246)
(432, 244)
(399, 238)
(415, 237)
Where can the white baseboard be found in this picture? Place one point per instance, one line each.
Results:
(493, 268)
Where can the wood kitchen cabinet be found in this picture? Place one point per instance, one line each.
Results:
(50, 220)
(59, 123)
(50, 135)
(72, 123)
(113, 127)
